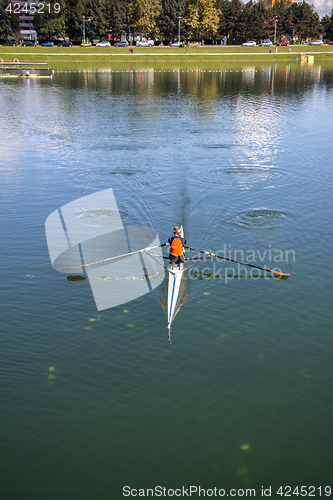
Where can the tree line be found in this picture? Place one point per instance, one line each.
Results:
(208, 20)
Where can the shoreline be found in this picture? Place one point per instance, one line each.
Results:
(161, 54)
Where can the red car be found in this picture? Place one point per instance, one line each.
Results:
(284, 42)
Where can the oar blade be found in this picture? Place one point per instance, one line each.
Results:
(278, 272)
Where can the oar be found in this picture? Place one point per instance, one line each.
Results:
(210, 254)
(119, 256)
(152, 256)
(197, 258)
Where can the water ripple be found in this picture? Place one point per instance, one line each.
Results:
(259, 218)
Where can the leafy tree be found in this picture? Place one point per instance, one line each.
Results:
(74, 18)
(97, 24)
(284, 26)
(146, 15)
(327, 24)
(230, 12)
(171, 10)
(258, 17)
(9, 22)
(306, 21)
(310, 20)
(118, 17)
(202, 18)
(251, 22)
(51, 22)
(269, 25)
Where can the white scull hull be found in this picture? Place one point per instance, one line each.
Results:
(175, 278)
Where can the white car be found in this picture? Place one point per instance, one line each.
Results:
(251, 43)
(103, 44)
(266, 43)
(176, 44)
(145, 43)
(317, 42)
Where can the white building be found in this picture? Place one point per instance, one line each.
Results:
(26, 10)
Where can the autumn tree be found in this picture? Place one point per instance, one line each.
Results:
(199, 18)
(202, 18)
(269, 24)
(146, 15)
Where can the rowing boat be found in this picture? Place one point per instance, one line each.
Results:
(118, 261)
(175, 277)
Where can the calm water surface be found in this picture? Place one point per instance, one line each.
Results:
(241, 398)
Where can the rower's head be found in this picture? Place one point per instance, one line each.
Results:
(176, 231)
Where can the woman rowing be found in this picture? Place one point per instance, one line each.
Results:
(176, 254)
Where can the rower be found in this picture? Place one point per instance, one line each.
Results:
(176, 254)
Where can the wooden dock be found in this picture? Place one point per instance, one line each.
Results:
(16, 69)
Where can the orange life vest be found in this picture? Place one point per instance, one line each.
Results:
(176, 248)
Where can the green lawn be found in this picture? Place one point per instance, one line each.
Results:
(209, 53)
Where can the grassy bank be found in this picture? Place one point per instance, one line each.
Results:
(159, 54)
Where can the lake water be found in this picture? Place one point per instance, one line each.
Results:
(241, 155)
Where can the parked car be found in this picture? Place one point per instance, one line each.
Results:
(47, 44)
(266, 43)
(331, 43)
(251, 43)
(28, 43)
(10, 43)
(317, 42)
(122, 44)
(65, 44)
(86, 44)
(145, 43)
(103, 44)
(284, 42)
(176, 44)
